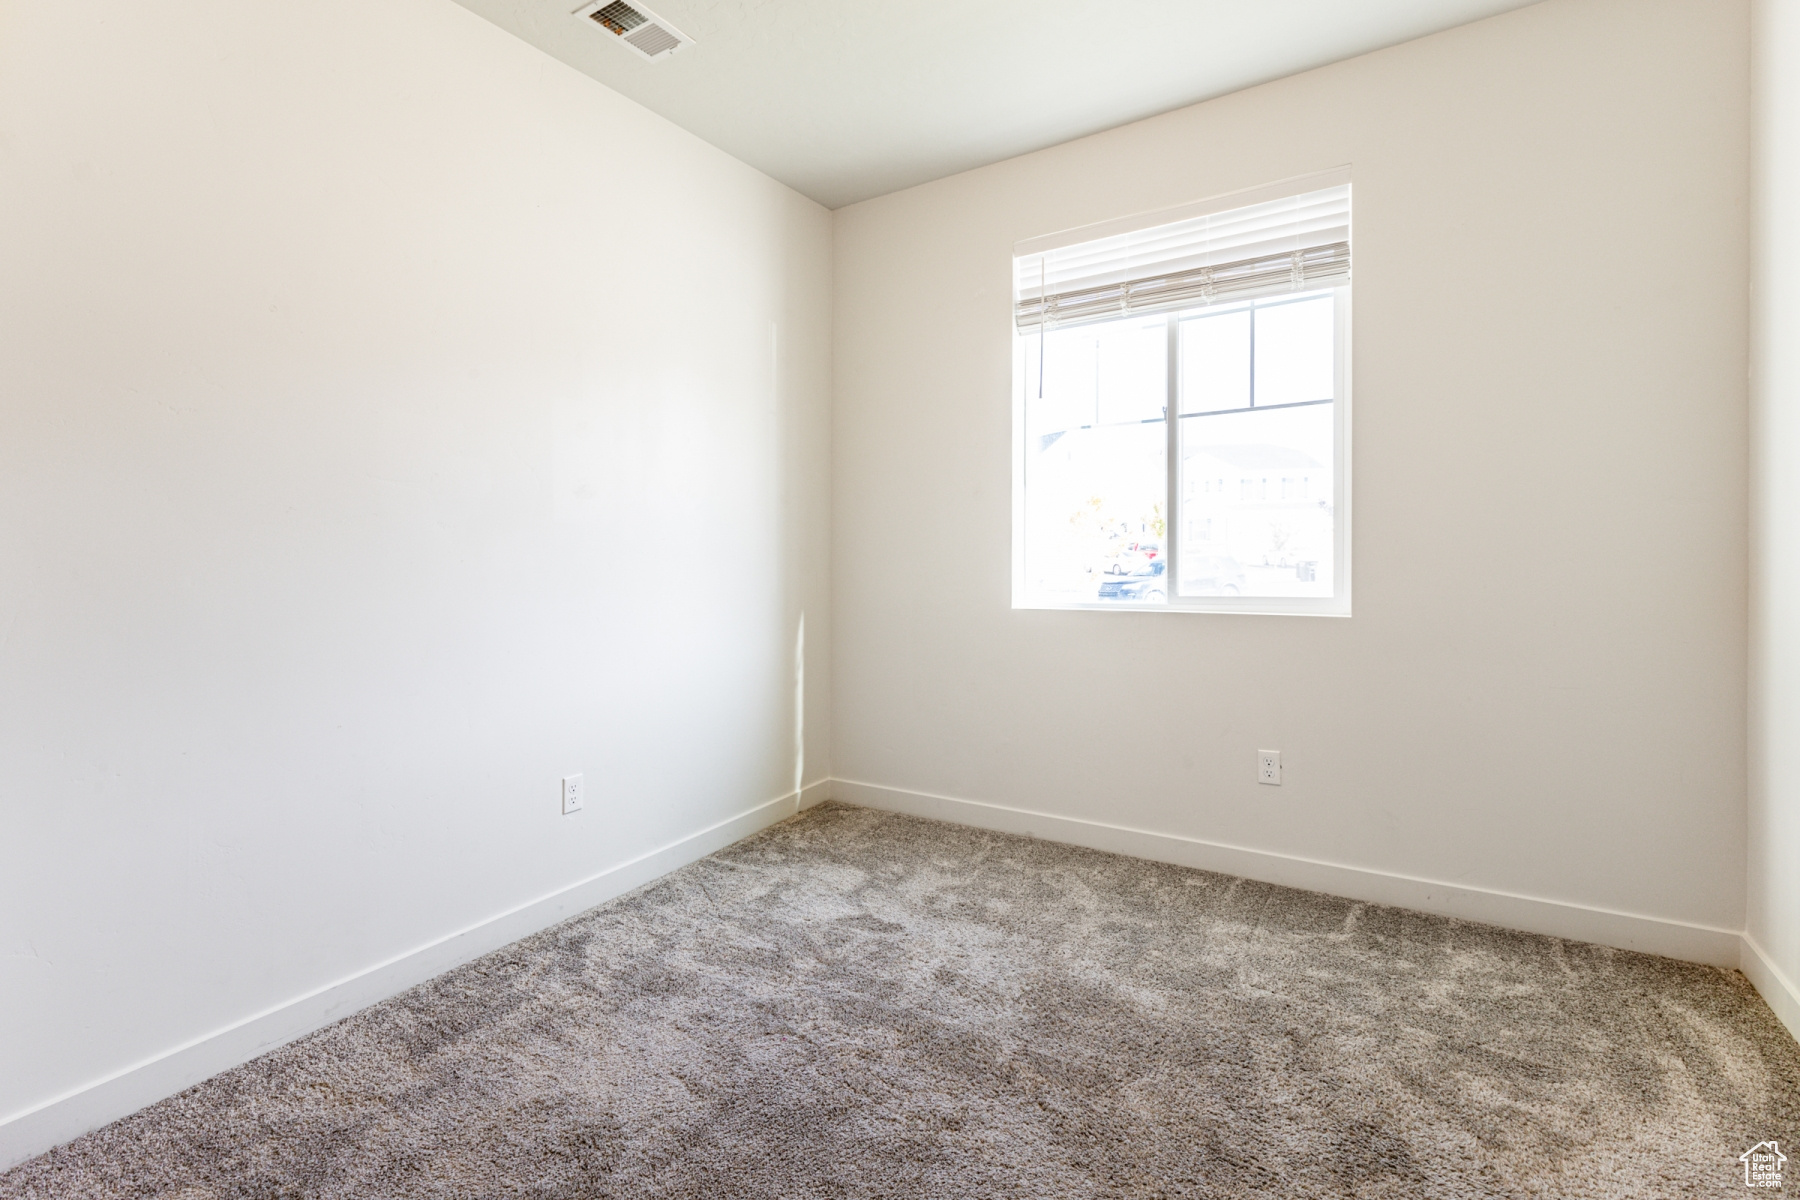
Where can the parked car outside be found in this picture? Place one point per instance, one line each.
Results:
(1146, 584)
(1129, 558)
(1212, 575)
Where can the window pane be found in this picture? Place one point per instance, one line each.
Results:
(1295, 352)
(1098, 375)
(1096, 462)
(1215, 362)
(1256, 503)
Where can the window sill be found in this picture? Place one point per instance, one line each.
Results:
(1246, 606)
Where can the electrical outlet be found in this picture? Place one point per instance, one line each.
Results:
(571, 794)
(1268, 767)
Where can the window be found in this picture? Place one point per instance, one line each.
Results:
(1182, 412)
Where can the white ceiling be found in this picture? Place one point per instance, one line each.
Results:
(847, 99)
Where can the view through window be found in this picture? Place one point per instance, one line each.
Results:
(1182, 413)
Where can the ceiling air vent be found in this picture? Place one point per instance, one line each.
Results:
(637, 27)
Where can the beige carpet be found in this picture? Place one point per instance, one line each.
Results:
(855, 1004)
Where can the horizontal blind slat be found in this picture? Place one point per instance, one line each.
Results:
(1313, 267)
(1296, 242)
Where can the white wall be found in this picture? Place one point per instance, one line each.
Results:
(1536, 713)
(1773, 926)
(391, 421)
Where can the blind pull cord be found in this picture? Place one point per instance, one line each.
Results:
(1043, 316)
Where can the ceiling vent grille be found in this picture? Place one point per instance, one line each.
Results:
(637, 27)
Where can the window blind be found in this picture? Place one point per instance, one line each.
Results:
(1291, 244)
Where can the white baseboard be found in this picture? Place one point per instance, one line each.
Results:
(1776, 988)
(815, 793)
(1627, 931)
(29, 1133)
(60, 1119)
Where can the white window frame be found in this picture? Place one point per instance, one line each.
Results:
(1335, 605)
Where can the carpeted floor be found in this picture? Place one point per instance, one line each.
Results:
(856, 1004)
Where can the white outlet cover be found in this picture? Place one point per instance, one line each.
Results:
(1268, 767)
(571, 794)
